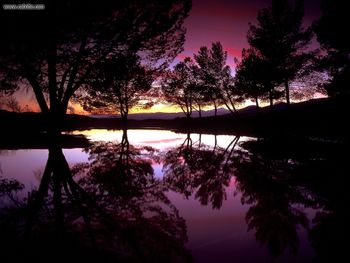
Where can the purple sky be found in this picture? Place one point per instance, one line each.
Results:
(227, 21)
(215, 20)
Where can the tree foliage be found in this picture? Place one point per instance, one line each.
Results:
(57, 50)
(281, 40)
(179, 86)
(330, 33)
(215, 76)
(120, 85)
(253, 76)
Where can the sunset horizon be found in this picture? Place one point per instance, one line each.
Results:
(174, 131)
(208, 22)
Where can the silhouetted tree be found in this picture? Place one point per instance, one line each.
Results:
(221, 74)
(179, 86)
(210, 92)
(121, 85)
(215, 77)
(280, 39)
(252, 79)
(330, 33)
(200, 96)
(56, 51)
(203, 77)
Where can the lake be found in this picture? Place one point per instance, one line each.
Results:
(161, 196)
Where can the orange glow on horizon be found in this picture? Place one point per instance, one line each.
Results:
(160, 107)
(28, 102)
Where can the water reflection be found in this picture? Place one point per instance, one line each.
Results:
(279, 179)
(276, 203)
(109, 209)
(196, 167)
(114, 207)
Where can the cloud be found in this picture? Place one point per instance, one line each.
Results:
(234, 52)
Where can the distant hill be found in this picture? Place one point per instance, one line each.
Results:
(316, 118)
(248, 111)
(162, 115)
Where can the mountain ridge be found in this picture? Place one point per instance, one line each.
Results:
(160, 115)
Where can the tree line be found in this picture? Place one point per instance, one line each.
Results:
(279, 56)
(116, 56)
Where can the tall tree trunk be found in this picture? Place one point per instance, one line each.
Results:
(122, 110)
(126, 113)
(55, 119)
(52, 78)
(188, 111)
(271, 99)
(64, 106)
(124, 116)
(232, 104)
(215, 108)
(233, 111)
(287, 92)
(257, 104)
(199, 110)
(52, 63)
(37, 89)
(190, 103)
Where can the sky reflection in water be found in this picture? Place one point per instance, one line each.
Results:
(196, 174)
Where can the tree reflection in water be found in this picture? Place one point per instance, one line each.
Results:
(110, 209)
(276, 204)
(113, 208)
(279, 178)
(200, 169)
(264, 182)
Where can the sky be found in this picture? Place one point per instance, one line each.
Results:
(209, 21)
(228, 21)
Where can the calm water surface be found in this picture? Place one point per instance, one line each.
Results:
(160, 196)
